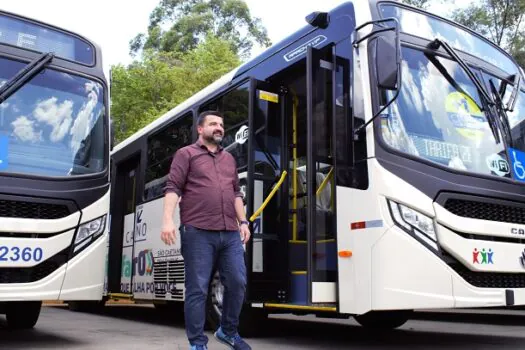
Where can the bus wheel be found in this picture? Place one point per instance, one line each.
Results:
(22, 315)
(251, 321)
(214, 302)
(172, 310)
(383, 319)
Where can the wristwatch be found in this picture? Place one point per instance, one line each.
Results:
(245, 222)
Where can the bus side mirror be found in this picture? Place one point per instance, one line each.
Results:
(384, 50)
(387, 60)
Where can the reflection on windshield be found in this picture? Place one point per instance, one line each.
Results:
(432, 119)
(418, 24)
(53, 125)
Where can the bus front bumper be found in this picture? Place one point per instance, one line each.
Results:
(78, 278)
(408, 275)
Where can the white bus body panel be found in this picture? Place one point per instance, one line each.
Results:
(389, 269)
(151, 269)
(158, 269)
(80, 279)
(356, 273)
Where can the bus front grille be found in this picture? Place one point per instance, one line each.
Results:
(34, 273)
(168, 277)
(32, 210)
(487, 210)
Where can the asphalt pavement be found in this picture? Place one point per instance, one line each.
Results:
(124, 327)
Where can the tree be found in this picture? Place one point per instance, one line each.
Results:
(423, 4)
(501, 21)
(180, 25)
(146, 89)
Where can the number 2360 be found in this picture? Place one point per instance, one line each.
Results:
(17, 253)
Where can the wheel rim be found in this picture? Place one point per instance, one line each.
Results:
(217, 295)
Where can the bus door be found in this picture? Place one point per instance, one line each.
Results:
(319, 175)
(267, 194)
(123, 224)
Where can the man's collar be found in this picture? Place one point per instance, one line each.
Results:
(201, 145)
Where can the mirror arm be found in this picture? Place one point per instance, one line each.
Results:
(358, 130)
(396, 28)
(399, 78)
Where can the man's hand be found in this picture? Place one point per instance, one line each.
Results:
(168, 233)
(168, 227)
(245, 233)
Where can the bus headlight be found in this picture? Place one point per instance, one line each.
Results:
(87, 232)
(415, 223)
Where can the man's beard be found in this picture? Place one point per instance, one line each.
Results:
(214, 138)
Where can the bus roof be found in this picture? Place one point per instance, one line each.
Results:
(223, 81)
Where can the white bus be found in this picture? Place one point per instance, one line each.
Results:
(381, 151)
(54, 168)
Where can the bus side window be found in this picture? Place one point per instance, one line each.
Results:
(161, 148)
(234, 106)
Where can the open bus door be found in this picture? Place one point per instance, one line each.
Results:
(267, 195)
(321, 245)
(292, 258)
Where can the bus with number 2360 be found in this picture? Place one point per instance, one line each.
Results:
(54, 168)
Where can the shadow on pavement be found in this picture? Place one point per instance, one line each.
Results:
(33, 339)
(495, 317)
(318, 333)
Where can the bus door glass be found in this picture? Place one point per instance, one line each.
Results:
(267, 194)
(127, 178)
(320, 178)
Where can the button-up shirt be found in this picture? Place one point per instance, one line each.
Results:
(208, 184)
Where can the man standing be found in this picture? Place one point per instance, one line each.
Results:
(213, 229)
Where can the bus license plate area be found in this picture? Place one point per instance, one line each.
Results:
(18, 254)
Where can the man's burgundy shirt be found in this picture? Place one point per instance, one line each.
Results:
(208, 185)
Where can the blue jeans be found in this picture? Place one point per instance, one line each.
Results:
(202, 251)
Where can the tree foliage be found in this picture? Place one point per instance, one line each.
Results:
(180, 25)
(423, 4)
(501, 21)
(146, 89)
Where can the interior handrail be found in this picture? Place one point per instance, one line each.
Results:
(270, 196)
(325, 182)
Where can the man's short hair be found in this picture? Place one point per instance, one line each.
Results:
(203, 115)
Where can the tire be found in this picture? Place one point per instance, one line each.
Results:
(172, 310)
(22, 315)
(251, 321)
(383, 320)
(214, 303)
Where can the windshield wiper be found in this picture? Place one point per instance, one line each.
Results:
(504, 119)
(485, 98)
(24, 75)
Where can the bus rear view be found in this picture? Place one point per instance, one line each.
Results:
(54, 183)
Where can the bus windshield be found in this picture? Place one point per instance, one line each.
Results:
(53, 125)
(419, 24)
(438, 116)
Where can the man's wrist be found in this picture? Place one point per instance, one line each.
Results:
(244, 222)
